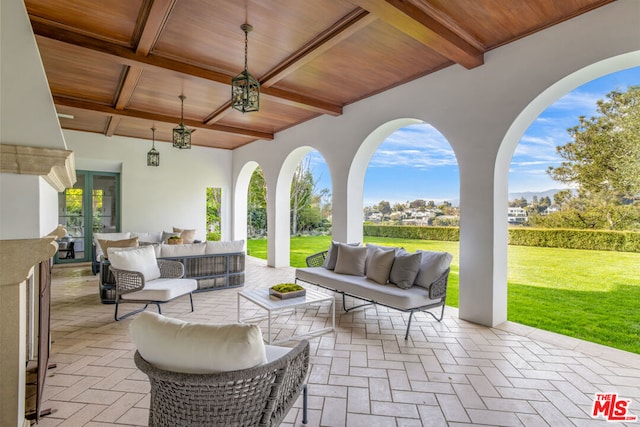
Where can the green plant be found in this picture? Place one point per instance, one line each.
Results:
(287, 287)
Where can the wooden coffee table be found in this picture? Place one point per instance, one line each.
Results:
(274, 306)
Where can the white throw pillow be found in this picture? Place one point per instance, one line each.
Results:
(432, 266)
(175, 345)
(191, 249)
(224, 247)
(141, 259)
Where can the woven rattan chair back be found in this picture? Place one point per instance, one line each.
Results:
(259, 396)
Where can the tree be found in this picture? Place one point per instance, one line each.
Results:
(214, 196)
(257, 204)
(603, 162)
(384, 207)
(302, 189)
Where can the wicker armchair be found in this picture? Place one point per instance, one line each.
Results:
(131, 287)
(258, 396)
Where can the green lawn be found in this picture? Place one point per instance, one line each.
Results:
(591, 295)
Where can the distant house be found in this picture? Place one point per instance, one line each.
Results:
(551, 209)
(517, 216)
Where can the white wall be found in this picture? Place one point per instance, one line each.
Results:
(48, 207)
(159, 198)
(473, 109)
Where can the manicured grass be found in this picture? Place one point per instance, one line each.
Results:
(591, 295)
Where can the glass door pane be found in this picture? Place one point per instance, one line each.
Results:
(104, 206)
(71, 216)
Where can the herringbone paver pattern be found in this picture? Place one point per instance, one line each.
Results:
(452, 373)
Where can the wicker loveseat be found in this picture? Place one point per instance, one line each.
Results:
(425, 291)
(214, 265)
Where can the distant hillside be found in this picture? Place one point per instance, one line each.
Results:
(529, 194)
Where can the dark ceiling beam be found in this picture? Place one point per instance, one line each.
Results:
(417, 22)
(151, 28)
(108, 110)
(341, 30)
(127, 56)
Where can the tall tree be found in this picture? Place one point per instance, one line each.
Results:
(603, 161)
(257, 204)
(302, 191)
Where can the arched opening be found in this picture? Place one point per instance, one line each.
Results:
(412, 180)
(527, 284)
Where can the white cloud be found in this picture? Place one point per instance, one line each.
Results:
(416, 146)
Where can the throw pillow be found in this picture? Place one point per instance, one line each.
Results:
(351, 260)
(108, 236)
(124, 243)
(332, 254)
(175, 345)
(432, 266)
(153, 237)
(405, 269)
(187, 235)
(142, 260)
(371, 249)
(380, 263)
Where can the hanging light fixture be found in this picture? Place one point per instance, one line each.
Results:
(245, 89)
(181, 133)
(153, 156)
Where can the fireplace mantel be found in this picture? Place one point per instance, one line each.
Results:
(17, 260)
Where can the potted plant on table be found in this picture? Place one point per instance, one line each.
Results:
(174, 240)
(287, 290)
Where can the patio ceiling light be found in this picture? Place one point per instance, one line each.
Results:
(153, 156)
(181, 133)
(245, 89)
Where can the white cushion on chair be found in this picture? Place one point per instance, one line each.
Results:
(141, 259)
(175, 345)
(163, 289)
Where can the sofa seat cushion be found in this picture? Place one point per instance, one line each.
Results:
(391, 295)
(163, 290)
(197, 348)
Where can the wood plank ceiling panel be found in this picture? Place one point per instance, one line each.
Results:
(371, 60)
(272, 117)
(207, 33)
(77, 73)
(496, 22)
(83, 120)
(158, 92)
(112, 20)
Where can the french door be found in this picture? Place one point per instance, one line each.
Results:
(91, 206)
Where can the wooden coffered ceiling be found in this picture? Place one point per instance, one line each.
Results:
(118, 66)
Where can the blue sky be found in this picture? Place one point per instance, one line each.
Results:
(420, 155)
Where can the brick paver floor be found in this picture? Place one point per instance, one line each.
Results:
(452, 373)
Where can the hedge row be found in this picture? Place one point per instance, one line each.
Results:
(601, 240)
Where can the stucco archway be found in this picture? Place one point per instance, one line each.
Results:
(518, 128)
(240, 197)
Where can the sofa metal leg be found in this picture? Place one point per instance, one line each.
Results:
(406, 335)
(304, 405)
(344, 305)
(131, 313)
(191, 299)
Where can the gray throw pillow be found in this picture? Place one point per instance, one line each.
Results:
(371, 248)
(351, 260)
(332, 254)
(432, 266)
(331, 257)
(379, 266)
(405, 269)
